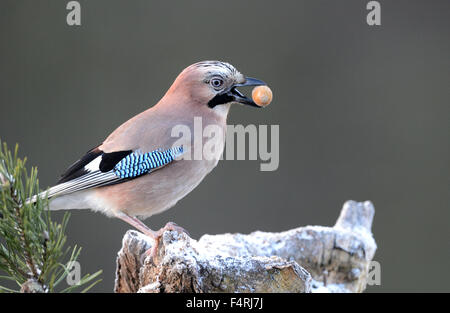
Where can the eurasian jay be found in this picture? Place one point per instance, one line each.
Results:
(140, 169)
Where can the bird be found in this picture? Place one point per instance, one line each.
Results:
(140, 169)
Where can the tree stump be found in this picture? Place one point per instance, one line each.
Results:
(304, 259)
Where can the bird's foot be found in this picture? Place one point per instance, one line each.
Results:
(156, 236)
(171, 226)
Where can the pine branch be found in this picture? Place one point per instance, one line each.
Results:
(32, 245)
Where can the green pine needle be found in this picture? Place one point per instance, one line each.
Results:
(32, 245)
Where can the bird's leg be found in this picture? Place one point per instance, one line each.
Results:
(170, 226)
(155, 235)
(136, 223)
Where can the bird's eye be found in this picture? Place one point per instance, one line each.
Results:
(216, 83)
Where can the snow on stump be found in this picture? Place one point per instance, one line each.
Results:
(304, 259)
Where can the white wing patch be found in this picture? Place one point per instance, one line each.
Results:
(94, 165)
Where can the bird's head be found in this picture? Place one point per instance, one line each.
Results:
(213, 85)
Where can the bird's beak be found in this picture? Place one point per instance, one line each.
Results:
(239, 97)
(234, 95)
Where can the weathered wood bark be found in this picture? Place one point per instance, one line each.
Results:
(305, 259)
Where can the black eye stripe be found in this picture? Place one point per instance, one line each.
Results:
(220, 99)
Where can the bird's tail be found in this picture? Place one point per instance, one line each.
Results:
(52, 192)
(41, 195)
(74, 187)
(61, 199)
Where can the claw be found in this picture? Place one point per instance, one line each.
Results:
(173, 227)
(170, 226)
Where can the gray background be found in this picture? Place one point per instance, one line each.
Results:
(363, 114)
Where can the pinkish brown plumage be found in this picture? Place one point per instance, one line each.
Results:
(204, 91)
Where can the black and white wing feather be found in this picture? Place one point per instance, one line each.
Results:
(99, 169)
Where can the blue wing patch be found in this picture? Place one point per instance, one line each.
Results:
(136, 164)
